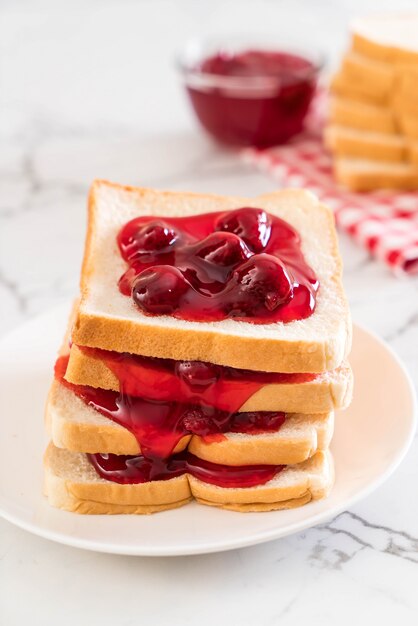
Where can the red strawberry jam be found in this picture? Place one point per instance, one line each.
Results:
(159, 425)
(252, 97)
(158, 421)
(189, 382)
(137, 469)
(244, 264)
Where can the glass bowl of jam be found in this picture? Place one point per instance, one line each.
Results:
(250, 93)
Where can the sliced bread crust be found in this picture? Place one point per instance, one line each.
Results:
(71, 483)
(77, 427)
(299, 438)
(328, 391)
(294, 486)
(362, 115)
(350, 142)
(347, 89)
(366, 175)
(109, 320)
(373, 77)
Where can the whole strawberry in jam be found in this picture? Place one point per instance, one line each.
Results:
(225, 249)
(198, 421)
(245, 264)
(252, 225)
(159, 289)
(152, 237)
(261, 283)
(257, 422)
(197, 374)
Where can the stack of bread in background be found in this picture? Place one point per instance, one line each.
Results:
(373, 118)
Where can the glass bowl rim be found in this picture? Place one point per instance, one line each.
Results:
(198, 48)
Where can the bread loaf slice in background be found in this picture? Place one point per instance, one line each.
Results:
(351, 142)
(362, 116)
(387, 37)
(366, 175)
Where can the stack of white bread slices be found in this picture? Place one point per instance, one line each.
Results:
(160, 396)
(373, 130)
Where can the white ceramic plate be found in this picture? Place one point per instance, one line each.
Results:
(367, 448)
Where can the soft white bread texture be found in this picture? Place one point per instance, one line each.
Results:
(109, 320)
(328, 391)
(72, 484)
(387, 37)
(75, 426)
(366, 175)
(351, 142)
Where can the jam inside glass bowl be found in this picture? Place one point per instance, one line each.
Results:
(247, 94)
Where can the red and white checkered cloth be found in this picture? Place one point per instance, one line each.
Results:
(385, 223)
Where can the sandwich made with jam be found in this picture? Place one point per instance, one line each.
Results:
(205, 357)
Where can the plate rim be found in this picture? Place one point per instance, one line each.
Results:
(6, 512)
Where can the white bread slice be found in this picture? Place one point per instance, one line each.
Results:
(351, 142)
(75, 426)
(294, 486)
(109, 320)
(72, 484)
(367, 175)
(298, 439)
(388, 37)
(362, 115)
(328, 391)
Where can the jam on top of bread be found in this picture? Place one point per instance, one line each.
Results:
(244, 264)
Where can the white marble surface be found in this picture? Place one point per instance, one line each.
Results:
(89, 89)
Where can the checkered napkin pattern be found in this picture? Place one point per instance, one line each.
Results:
(383, 222)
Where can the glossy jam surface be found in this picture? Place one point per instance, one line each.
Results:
(244, 264)
(243, 111)
(158, 425)
(137, 469)
(188, 382)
